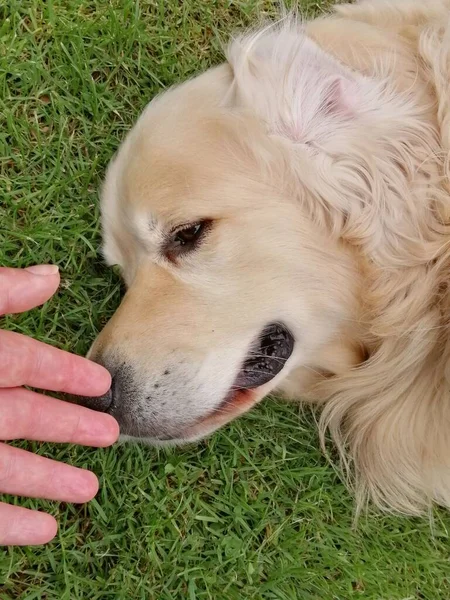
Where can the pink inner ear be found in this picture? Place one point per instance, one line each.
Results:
(342, 97)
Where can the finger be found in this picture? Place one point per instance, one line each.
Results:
(25, 474)
(31, 416)
(22, 527)
(22, 289)
(24, 361)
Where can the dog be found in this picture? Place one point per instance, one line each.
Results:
(282, 225)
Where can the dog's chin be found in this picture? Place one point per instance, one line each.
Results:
(235, 404)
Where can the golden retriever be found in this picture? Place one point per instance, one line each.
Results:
(282, 225)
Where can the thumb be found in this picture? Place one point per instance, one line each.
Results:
(22, 289)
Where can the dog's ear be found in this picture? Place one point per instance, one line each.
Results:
(300, 91)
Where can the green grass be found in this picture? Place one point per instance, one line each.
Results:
(255, 512)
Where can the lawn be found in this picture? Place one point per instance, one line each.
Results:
(255, 512)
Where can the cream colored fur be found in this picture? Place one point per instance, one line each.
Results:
(322, 152)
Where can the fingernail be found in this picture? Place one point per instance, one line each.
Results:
(43, 269)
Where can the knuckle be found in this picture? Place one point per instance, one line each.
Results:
(33, 426)
(9, 424)
(7, 465)
(66, 373)
(5, 296)
(35, 359)
(74, 434)
(8, 522)
(51, 480)
(13, 357)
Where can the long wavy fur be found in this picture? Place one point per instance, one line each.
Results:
(366, 141)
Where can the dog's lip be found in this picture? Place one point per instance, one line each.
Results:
(266, 356)
(236, 403)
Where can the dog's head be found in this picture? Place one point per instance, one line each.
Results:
(233, 282)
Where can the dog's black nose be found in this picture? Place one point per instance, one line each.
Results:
(100, 403)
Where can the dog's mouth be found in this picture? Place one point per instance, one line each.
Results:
(265, 360)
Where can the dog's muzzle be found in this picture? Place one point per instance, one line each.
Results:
(266, 358)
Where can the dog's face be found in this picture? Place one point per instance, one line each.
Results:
(230, 285)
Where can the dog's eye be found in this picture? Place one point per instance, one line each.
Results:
(186, 238)
(189, 235)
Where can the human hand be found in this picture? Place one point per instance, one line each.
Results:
(28, 415)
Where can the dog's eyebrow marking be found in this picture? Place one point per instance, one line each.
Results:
(150, 232)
